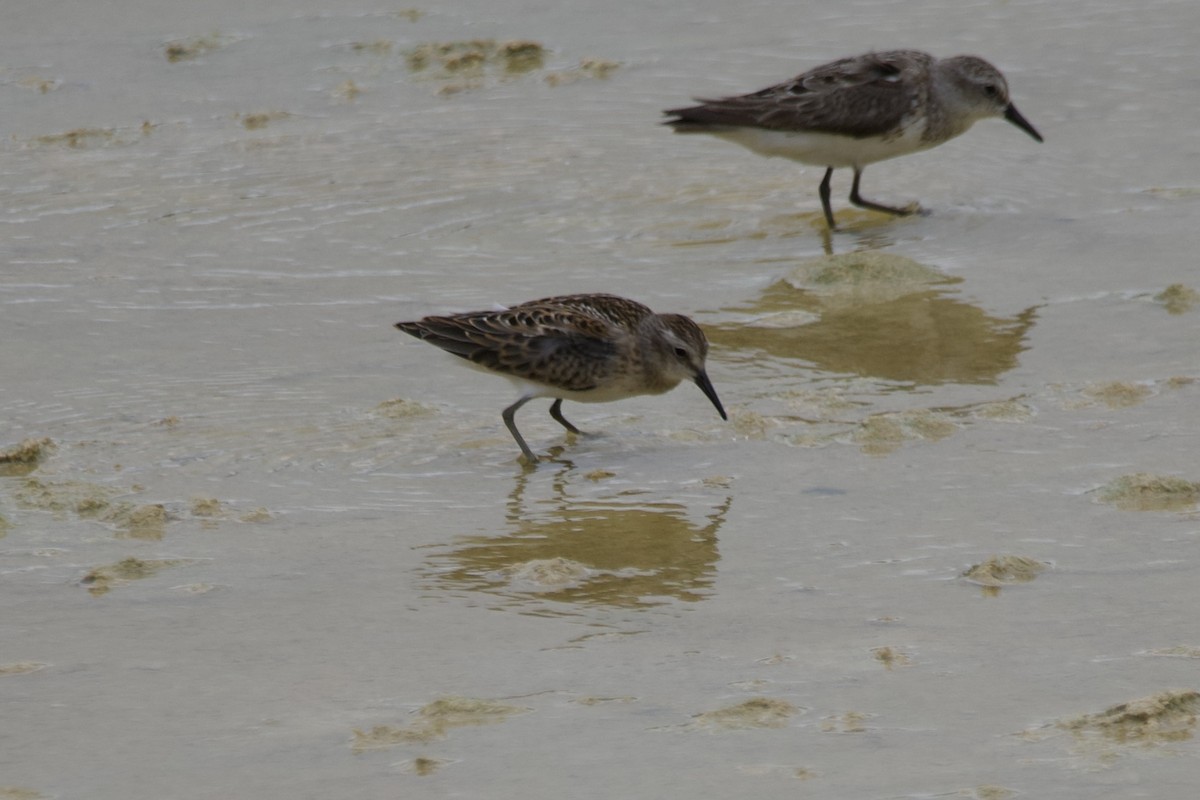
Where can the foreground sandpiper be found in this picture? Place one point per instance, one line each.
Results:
(859, 110)
(592, 348)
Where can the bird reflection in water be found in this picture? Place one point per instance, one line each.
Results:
(580, 544)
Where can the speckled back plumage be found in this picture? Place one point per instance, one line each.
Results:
(573, 342)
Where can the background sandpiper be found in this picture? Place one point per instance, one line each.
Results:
(859, 110)
(592, 348)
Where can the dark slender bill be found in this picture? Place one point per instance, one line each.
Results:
(706, 386)
(1012, 115)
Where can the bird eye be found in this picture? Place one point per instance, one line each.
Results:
(991, 90)
(679, 351)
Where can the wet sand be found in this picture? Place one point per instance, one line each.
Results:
(256, 543)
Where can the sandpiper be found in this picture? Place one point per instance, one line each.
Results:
(592, 348)
(859, 110)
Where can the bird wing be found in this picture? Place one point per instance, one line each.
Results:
(541, 343)
(861, 96)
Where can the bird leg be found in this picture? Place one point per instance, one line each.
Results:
(824, 192)
(556, 412)
(512, 428)
(862, 203)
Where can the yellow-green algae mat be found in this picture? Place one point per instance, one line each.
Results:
(1143, 491)
(999, 571)
(1178, 299)
(92, 501)
(1164, 717)
(1147, 723)
(24, 457)
(434, 720)
(472, 57)
(102, 580)
(17, 793)
(757, 712)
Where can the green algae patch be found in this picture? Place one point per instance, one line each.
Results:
(757, 712)
(94, 502)
(78, 138)
(891, 658)
(589, 68)
(991, 792)
(101, 580)
(521, 56)
(1143, 491)
(850, 722)
(378, 47)
(474, 55)
(254, 122)
(259, 514)
(881, 434)
(423, 765)
(1173, 192)
(148, 521)
(1178, 651)
(381, 736)
(1003, 411)
(402, 408)
(39, 84)
(24, 457)
(1118, 394)
(80, 497)
(1168, 716)
(1178, 299)
(206, 507)
(435, 720)
(187, 49)
(1000, 571)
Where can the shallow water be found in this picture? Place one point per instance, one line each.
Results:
(329, 528)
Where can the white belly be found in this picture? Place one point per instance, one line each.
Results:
(826, 149)
(618, 389)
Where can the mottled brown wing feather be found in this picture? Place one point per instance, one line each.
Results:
(610, 309)
(532, 341)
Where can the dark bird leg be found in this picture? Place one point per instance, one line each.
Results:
(824, 192)
(556, 412)
(512, 428)
(861, 203)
